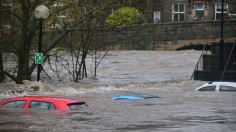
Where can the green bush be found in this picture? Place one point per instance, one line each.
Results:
(123, 17)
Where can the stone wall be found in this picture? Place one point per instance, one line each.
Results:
(167, 36)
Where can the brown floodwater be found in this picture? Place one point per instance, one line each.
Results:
(164, 74)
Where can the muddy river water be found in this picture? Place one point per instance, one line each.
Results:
(162, 73)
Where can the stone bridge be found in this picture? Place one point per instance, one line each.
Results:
(180, 36)
(169, 36)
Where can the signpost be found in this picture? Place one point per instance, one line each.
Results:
(41, 13)
(38, 58)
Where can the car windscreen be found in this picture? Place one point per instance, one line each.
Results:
(77, 106)
(208, 88)
(15, 104)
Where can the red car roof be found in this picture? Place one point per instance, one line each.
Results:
(67, 100)
(57, 99)
(61, 103)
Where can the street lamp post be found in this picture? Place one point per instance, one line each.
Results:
(221, 46)
(41, 12)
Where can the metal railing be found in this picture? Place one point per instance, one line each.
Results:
(227, 63)
(198, 62)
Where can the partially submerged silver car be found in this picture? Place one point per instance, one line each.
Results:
(218, 86)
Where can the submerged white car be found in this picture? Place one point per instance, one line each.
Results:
(218, 86)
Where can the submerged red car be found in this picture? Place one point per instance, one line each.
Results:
(43, 102)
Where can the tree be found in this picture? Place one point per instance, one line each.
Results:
(123, 17)
(23, 36)
(23, 29)
(78, 45)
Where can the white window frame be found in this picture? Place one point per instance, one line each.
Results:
(58, 4)
(200, 9)
(156, 16)
(218, 6)
(61, 17)
(178, 12)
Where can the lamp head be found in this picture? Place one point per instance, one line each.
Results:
(41, 12)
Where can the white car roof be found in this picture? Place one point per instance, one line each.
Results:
(224, 83)
(232, 84)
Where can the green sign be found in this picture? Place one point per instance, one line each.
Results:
(38, 58)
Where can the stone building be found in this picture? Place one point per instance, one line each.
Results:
(154, 11)
(192, 10)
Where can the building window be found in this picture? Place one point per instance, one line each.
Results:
(199, 10)
(5, 18)
(59, 19)
(5, 15)
(156, 16)
(218, 8)
(178, 12)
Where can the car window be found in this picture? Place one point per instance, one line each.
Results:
(227, 88)
(42, 105)
(15, 104)
(51, 106)
(208, 88)
(77, 106)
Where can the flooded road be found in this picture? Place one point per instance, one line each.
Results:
(163, 74)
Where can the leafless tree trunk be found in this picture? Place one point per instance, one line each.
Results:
(1, 67)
